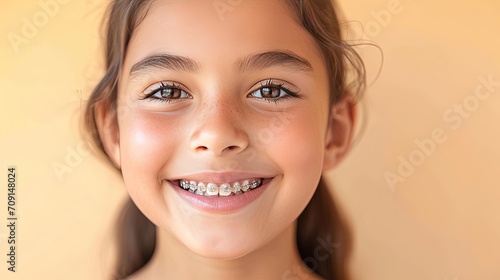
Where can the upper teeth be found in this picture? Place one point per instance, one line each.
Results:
(225, 189)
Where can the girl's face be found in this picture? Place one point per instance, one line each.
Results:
(219, 94)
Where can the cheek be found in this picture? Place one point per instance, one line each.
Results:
(147, 142)
(297, 149)
(299, 143)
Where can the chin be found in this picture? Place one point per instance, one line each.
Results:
(228, 251)
(222, 246)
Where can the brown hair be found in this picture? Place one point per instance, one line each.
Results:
(320, 220)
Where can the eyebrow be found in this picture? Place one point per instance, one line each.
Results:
(274, 58)
(164, 61)
(256, 61)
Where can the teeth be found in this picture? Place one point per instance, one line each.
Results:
(184, 184)
(192, 186)
(245, 186)
(236, 188)
(255, 184)
(225, 189)
(212, 189)
(201, 189)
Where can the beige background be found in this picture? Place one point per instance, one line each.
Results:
(441, 223)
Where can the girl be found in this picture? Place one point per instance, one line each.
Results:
(221, 117)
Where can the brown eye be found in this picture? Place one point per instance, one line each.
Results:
(171, 93)
(270, 92)
(167, 92)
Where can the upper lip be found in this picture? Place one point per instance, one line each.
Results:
(221, 177)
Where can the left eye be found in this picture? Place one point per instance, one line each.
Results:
(170, 93)
(274, 91)
(269, 93)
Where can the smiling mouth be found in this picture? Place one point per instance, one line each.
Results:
(225, 189)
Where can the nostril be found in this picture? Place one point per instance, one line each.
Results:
(201, 148)
(231, 148)
(226, 149)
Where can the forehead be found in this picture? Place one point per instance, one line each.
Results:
(215, 32)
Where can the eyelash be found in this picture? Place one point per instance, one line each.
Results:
(270, 83)
(166, 85)
(281, 86)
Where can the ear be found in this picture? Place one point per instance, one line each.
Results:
(339, 132)
(107, 125)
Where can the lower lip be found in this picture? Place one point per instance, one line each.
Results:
(220, 204)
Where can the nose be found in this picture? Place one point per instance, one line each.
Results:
(219, 130)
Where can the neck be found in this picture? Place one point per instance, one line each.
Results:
(275, 260)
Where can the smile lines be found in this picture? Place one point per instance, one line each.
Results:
(225, 189)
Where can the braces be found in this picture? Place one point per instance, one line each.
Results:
(211, 189)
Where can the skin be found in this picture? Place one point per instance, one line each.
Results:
(222, 127)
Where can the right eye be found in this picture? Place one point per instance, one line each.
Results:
(167, 92)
